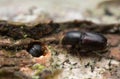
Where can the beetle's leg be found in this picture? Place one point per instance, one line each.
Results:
(104, 53)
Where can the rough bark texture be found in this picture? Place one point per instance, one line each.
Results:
(18, 61)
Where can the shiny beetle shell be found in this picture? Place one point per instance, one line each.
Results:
(35, 49)
(85, 40)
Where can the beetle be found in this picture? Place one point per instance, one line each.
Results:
(89, 41)
(36, 49)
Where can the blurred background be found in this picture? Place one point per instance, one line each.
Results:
(99, 11)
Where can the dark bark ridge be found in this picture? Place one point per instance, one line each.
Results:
(23, 31)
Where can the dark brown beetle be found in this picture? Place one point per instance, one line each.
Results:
(88, 41)
(36, 49)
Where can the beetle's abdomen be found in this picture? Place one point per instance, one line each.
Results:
(93, 41)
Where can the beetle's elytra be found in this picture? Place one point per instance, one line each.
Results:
(85, 40)
(35, 49)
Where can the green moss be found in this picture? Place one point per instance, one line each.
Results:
(39, 68)
(25, 36)
(35, 77)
